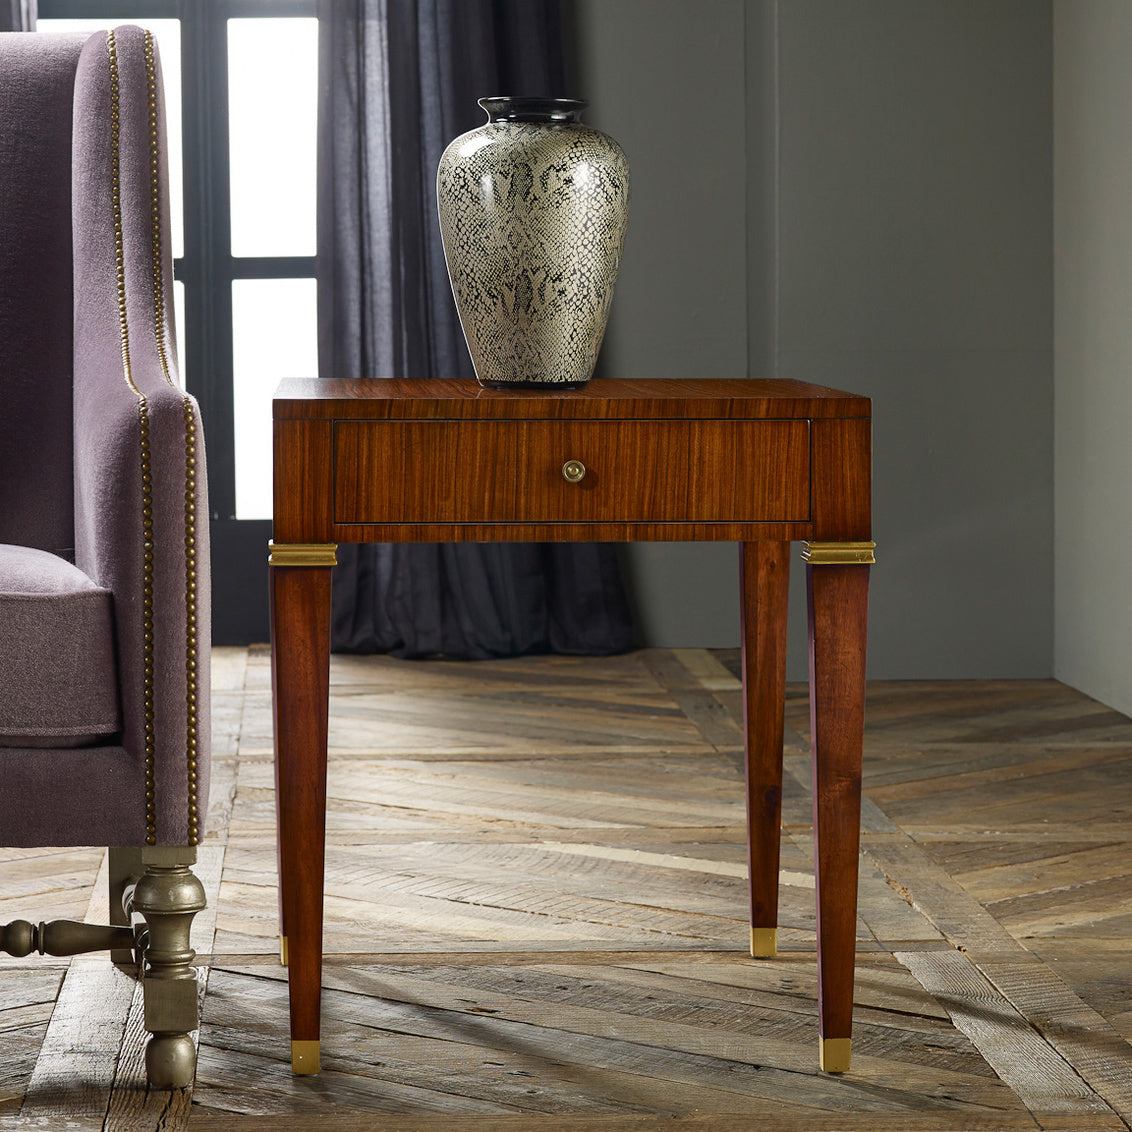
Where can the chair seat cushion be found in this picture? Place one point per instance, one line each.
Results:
(58, 676)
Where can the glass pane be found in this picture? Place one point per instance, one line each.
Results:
(179, 326)
(273, 103)
(168, 36)
(275, 335)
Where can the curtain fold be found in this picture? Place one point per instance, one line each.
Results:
(398, 80)
(18, 15)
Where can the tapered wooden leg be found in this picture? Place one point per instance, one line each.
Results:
(765, 576)
(278, 811)
(300, 625)
(838, 613)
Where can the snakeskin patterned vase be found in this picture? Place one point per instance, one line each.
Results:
(533, 207)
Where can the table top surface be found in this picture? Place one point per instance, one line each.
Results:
(438, 398)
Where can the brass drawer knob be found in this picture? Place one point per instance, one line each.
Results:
(573, 471)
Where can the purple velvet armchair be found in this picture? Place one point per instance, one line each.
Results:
(104, 601)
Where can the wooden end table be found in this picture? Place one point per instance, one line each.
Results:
(757, 462)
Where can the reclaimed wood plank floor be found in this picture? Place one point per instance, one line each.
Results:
(536, 916)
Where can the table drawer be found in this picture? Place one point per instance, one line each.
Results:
(659, 471)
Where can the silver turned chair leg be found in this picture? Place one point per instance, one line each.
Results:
(156, 883)
(168, 896)
(125, 867)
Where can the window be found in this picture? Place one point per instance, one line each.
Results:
(241, 92)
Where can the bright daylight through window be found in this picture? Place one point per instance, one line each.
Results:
(272, 103)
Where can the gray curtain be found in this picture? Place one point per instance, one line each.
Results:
(18, 15)
(399, 80)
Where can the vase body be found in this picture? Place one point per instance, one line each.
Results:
(533, 209)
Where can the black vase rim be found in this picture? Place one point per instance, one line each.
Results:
(527, 108)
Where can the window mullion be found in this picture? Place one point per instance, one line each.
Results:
(110, 10)
(207, 237)
(273, 267)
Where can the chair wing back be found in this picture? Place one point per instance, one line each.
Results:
(141, 510)
(37, 81)
(87, 343)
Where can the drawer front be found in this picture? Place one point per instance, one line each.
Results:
(650, 471)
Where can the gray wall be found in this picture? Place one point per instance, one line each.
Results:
(667, 79)
(857, 194)
(1093, 288)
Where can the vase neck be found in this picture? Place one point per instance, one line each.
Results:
(504, 108)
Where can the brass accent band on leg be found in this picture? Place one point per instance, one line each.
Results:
(304, 1057)
(283, 950)
(302, 554)
(835, 1055)
(764, 943)
(839, 553)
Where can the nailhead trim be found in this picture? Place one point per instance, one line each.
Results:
(159, 328)
(143, 429)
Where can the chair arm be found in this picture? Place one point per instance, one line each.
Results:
(141, 510)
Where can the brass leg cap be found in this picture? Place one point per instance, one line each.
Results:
(304, 1057)
(764, 943)
(283, 950)
(835, 1055)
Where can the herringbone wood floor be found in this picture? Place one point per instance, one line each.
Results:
(536, 916)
